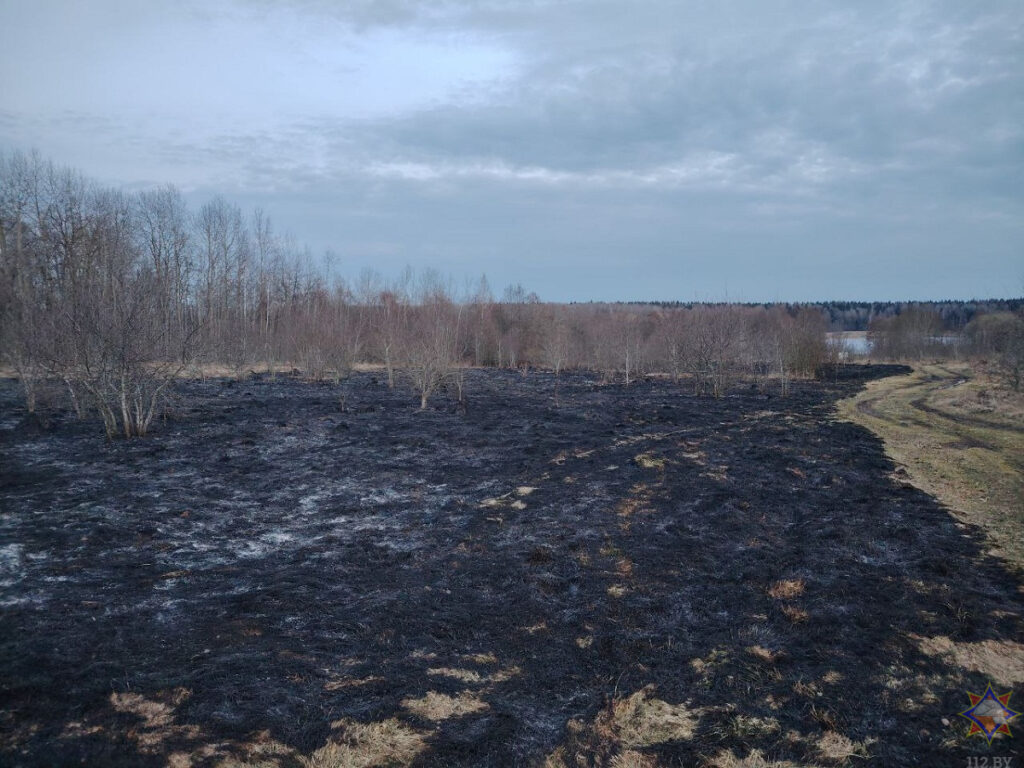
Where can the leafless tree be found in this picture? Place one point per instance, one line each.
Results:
(481, 327)
(712, 341)
(112, 294)
(166, 239)
(430, 347)
(1000, 336)
(556, 341)
(912, 334)
(390, 323)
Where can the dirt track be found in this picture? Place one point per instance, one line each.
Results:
(266, 565)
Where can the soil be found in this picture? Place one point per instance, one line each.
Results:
(265, 564)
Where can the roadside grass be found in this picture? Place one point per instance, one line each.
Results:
(957, 434)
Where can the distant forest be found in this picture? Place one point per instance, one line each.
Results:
(857, 315)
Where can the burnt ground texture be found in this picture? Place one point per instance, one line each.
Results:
(568, 572)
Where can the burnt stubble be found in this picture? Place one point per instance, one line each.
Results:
(267, 561)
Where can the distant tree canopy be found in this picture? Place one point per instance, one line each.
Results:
(858, 315)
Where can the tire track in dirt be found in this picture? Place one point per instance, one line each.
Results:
(962, 419)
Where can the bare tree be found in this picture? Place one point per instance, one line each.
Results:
(556, 340)
(111, 294)
(430, 347)
(915, 332)
(166, 239)
(711, 351)
(1000, 336)
(481, 324)
(391, 319)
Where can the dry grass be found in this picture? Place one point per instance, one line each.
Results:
(711, 662)
(262, 752)
(834, 747)
(795, 614)
(352, 745)
(755, 759)
(639, 500)
(481, 658)
(462, 675)
(505, 500)
(786, 589)
(764, 654)
(649, 461)
(622, 731)
(439, 706)
(959, 436)
(351, 682)
(157, 715)
(473, 677)
(220, 370)
(363, 745)
(1001, 660)
(748, 727)
(643, 721)
(631, 759)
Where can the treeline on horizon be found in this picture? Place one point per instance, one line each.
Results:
(844, 316)
(108, 296)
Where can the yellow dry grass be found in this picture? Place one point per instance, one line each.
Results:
(363, 745)
(641, 720)
(440, 706)
(622, 731)
(473, 677)
(631, 759)
(157, 718)
(351, 745)
(481, 658)
(1001, 660)
(834, 747)
(786, 589)
(649, 461)
(455, 673)
(959, 436)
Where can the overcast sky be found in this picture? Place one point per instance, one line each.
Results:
(590, 150)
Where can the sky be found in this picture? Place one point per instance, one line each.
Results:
(588, 149)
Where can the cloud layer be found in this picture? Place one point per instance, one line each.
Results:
(589, 149)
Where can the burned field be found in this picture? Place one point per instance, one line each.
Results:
(604, 576)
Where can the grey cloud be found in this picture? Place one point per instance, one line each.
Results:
(767, 150)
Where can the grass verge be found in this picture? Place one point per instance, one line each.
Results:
(959, 436)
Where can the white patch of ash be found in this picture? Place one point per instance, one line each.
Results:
(381, 497)
(12, 568)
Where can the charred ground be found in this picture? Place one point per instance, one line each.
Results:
(267, 571)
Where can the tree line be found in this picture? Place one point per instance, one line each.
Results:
(954, 314)
(919, 331)
(114, 295)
